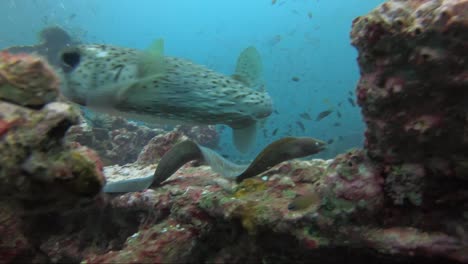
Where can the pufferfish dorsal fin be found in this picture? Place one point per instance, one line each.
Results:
(249, 67)
(151, 61)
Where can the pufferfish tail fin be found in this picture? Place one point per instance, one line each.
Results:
(249, 67)
(244, 137)
(151, 61)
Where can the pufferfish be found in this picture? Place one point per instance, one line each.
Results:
(154, 88)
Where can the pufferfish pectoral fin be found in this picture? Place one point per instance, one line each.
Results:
(249, 67)
(244, 137)
(151, 61)
(109, 95)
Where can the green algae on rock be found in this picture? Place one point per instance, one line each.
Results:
(27, 80)
(36, 165)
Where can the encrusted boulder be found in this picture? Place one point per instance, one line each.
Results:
(119, 142)
(413, 92)
(27, 80)
(116, 140)
(36, 165)
(205, 135)
(158, 146)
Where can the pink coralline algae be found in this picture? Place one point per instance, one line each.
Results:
(413, 94)
(116, 140)
(35, 163)
(401, 199)
(160, 241)
(27, 80)
(158, 146)
(13, 244)
(119, 141)
(411, 240)
(423, 123)
(204, 135)
(353, 178)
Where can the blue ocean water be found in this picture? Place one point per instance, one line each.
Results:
(309, 64)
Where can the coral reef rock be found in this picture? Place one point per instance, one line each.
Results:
(118, 141)
(196, 216)
(414, 92)
(39, 173)
(158, 146)
(35, 163)
(205, 135)
(27, 80)
(401, 199)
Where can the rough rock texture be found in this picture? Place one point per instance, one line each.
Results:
(403, 199)
(27, 80)
(158, 146)
(199, 217)
(205, 135)
(38, 171)
(118, 141)
(51, 40)
(413, 92)
(35, 163)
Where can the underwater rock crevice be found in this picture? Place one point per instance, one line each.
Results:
(58, 132)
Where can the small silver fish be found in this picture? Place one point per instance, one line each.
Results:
(151, 87)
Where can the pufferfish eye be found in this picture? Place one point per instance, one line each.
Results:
(70, 59)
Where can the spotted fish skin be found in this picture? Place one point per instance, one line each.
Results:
(87, 69)
(187, 92)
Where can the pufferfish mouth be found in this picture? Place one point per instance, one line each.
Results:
(70, 59)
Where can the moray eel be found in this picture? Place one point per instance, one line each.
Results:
(275, 153)
(149, 86)
(174, 159)
(281, 150)
(284, 149)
